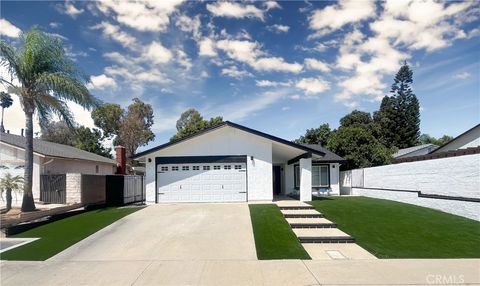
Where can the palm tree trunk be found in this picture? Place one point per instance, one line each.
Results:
(27, 204)
(2, 129)
(9, 199)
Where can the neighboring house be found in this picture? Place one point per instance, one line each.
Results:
(50, 158)
(468, 139)
(414, 151)
(230, 163)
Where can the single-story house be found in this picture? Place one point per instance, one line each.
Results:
(233, 163)
(414, 151)
(468, 139)
(49, 159)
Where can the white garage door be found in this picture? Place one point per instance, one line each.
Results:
(212, 182)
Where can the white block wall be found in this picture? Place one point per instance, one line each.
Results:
(74, 188)
(466, 209)
(334, 179)
(454, 176)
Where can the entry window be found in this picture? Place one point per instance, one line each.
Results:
(206, 168)
(216, 167)
(196, 168)
(174, 168)
(185, 168)
(227, 167)
(164, 168)
(296, 176)
(320, 176)
(238, 167)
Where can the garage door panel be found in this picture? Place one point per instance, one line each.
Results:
(202, 182)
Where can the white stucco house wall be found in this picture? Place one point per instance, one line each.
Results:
(49, 159)
(233, 163)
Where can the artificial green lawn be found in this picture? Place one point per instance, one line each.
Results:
(391, 229)
(59, 235)
(274, 239)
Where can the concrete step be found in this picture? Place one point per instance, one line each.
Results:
(304, 212)
(300, 215)
(310, 223)
(322, 235)
(296, 207)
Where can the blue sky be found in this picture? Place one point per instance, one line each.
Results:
(279, 67)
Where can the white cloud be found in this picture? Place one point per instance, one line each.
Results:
(313, 86)
(462, 75)
(276, 64)
(115, 33)
(8, 29)
(314, 64)
(279, 28)
(243, 51)
(54, 25)
(402, 26)
(206, 47)
(69, 9)
(234, 10)
(183, 59)
(157, 53)
(241, 109)
(333, 17)
(101, 82)
(271, 5)
(189, 25)
(267, 83)
(250, 53)
(285, 108)
(151, 16)
(234, 72)
(295, 97)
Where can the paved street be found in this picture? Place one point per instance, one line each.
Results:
(243, 272)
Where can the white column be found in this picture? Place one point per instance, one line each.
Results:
(306, 179)
(334, 179)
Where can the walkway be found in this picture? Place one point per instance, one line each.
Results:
(320, 237)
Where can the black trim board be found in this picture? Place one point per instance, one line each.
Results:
(201, 159)
(233, 125)
(296, 159)
(422, 195)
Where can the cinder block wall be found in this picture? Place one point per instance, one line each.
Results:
(86, 189)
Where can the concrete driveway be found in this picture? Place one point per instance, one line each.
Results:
(172, 232)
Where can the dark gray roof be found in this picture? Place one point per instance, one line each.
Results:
(51, 149)
(405, 151)
(329, 155)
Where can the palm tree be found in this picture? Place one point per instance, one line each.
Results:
(48, 79)
(5, 102)
(8, 184)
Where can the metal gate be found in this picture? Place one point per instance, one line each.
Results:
(53, 189)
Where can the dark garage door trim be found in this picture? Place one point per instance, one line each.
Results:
(198, 159)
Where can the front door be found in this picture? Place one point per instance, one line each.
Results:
(277, 179)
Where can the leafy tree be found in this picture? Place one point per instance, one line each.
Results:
(191, 122)
(9, 183)
(48, 79)
(356, 118)
(399, 114)
(108, 117)
(91, 140)
(5, 102)
(59, 132)
(427, 139)
(359, 147)
(80, 137)
(318, 135)
(135, 129)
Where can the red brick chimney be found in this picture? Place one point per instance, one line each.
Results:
(121, 157)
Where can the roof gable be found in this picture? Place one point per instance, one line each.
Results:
(236, 126)
(51, 149)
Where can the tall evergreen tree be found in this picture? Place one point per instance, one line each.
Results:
(399, 114)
